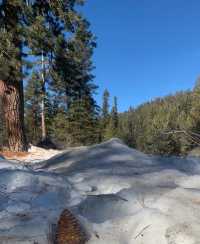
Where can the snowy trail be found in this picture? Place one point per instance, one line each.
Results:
(120, 195)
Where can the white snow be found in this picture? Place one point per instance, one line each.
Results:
(120, 195)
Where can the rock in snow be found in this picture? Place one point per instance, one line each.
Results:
(120, 195)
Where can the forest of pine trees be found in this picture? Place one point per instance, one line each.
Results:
(46, 81)
(168, 125)
(47, 89)
(164, 126)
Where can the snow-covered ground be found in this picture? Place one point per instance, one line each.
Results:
(120, 195)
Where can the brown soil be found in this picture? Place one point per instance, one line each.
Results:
(14, 155)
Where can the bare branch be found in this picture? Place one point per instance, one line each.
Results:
(141, 232)
(192, 136)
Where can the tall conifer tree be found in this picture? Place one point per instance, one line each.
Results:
(43, 29)
(105, 106)
(12, 32)
(63, 51)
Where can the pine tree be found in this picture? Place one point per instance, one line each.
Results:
(114, 115)
(83, 118)
(73, 64)
(61, 45)
(105, 107)
(73, 86)
(112, 128)
(12, 22)
(105, 110)
(33, 108)
(41, 41)
(127, 127)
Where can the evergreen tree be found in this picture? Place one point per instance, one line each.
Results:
(59, 74)
(112, 129)
(73, 88)
(105, 111)
(33, 108)
(13, 17)
(83, 118)
(114, 115)
(43, 32)
(73, 64)
(105, 106)
(127, 128)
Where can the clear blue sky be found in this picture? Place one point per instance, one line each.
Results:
(145, 48)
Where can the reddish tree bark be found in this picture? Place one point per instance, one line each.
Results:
(13, 108)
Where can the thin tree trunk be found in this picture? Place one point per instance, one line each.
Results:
(13, 109)
(44, 134)
(43, 124)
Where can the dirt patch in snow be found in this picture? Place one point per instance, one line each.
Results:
(14, 155)
(34, 154)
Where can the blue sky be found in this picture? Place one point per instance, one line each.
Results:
(145, 48)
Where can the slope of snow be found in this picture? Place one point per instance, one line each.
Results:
(120, 195)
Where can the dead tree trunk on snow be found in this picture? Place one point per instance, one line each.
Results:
(13, 109)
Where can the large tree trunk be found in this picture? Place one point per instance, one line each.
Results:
(13, 108)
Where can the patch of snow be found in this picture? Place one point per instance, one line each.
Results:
(5, 164)
(121, 196)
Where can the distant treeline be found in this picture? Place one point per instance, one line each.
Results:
(169, 125)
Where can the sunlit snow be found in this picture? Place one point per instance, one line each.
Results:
(120, 195)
